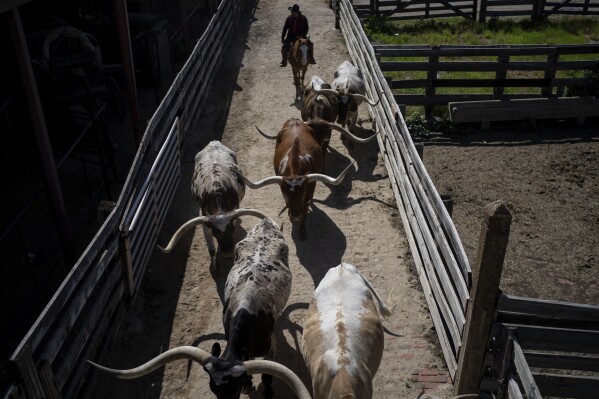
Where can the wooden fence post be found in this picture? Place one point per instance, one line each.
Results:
(430, 91)
(480, 311)
(29, 379)
(336, 11)
(448, 202)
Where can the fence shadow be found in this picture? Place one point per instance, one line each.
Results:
(520, 134)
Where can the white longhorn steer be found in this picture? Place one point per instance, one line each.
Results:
(343, 337)
(350, 88)
(256, 292)
(218, 190)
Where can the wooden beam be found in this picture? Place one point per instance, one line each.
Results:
(480, 313)
(59, 210)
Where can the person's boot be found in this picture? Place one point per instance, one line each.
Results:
(283, 63)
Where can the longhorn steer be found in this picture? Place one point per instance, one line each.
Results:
(320, 109)
(218, 190)
(349, 86)
(256, 291)
(343, 340)
(298, 166)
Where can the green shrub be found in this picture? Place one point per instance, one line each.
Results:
(379, 24)
(592, 89)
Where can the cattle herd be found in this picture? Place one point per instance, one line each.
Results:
(342, 340)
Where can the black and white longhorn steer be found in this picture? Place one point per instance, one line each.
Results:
(218, 190)
(256, 292)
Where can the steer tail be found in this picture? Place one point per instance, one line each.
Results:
(383, 309)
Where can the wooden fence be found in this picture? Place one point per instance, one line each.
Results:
(559, 341)
(461, 300)
(475, 9)
(441, 263)
(85, 313)
(510, 71)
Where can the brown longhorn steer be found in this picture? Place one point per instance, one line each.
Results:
(298, 166)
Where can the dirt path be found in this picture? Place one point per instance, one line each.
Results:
(181, 303)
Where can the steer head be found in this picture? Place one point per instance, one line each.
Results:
(227, 377)
(229, 373)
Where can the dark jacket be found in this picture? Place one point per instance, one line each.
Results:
(294, 27)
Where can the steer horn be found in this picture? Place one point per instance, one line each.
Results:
(266, 135)
(201, 356)
(221, 220)
(327, 179)
(369, 101)
(259, 183)
(327, 91)
(351, 136)
(357, 96)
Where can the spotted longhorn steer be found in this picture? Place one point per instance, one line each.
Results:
(256, 292)
(218, 190)
(343, 340)
(298, 166)
(320, 110)
(349, 87)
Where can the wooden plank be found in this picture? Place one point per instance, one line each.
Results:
(48, 382)
(550, 309)
(561, 361)
(513, 390)
(85, 327)
(63, 323)
(27, 373)
(506, 110)
(111, 313)
(568, 385)
(557, 339)
(526, 377)
(415, 51)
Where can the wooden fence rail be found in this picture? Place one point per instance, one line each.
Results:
(85, 313)
(474, 9)
(550, 69)
(559, 340)
(441, 263)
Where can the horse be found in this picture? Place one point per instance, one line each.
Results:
(299, 58)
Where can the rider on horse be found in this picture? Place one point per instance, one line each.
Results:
(296, 25)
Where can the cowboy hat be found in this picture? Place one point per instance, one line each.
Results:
(294, 8)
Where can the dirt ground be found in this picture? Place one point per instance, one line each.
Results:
(548, 178)
(180, 302)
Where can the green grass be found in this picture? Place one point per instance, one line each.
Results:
(566, 30)
(458, 31)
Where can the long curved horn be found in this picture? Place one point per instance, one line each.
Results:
(247, 212)
(182, 352)
(351, 136)
(266, 135)
(327, 179)
(219, 221)
(279, 371)
(182, 230)
(327, 91)
(369, 101)
(259, 183)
